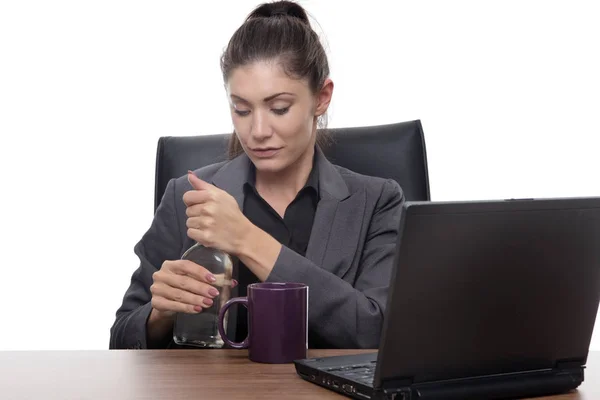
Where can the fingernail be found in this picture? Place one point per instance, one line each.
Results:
(211, 278)
(234, 283)
(208, 302)
(197, 308)
(213, 292)
(190, 172)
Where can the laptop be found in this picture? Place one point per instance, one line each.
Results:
(488, 299)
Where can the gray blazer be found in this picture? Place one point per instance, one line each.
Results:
(347, 266)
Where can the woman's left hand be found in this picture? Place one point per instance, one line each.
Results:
(214, 217)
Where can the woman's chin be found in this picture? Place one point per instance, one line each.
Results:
(269, 165)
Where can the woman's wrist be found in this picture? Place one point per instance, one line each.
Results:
(258, 251)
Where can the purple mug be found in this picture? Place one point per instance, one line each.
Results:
(277, 322)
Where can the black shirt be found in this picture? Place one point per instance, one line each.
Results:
(293, 230)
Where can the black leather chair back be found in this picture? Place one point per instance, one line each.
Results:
(395, 151)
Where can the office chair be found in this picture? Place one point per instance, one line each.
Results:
(395, 151)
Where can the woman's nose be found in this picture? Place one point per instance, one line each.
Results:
(260, 126)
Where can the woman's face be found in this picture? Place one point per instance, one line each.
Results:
(274, 116)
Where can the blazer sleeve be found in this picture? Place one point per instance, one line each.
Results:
(340, 314)
(161, 242)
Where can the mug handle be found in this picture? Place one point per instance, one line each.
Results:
(236, 345)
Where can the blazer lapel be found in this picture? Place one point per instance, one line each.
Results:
(232, 176)
(338, 220)
(321, 229)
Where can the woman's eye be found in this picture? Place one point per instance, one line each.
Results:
(280, 111)
(242, 113)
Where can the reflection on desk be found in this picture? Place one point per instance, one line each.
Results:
(178, 374)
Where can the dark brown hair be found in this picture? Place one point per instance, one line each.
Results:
(278, 31)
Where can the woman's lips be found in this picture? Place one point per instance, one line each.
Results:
(265, 152)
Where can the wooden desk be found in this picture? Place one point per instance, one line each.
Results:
(176, 374)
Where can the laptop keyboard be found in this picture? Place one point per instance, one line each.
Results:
(361, 373)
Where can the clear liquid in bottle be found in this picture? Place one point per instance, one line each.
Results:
(200, 329)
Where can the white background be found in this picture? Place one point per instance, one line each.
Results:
(508, 93)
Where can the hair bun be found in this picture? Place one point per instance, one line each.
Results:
(280, 9)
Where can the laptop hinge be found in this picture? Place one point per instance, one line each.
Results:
(392, 384)
(397, 389)
(569, 364)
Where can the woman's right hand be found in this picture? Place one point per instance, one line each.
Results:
(181, 286)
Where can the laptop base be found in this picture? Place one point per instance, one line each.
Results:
(329, 373)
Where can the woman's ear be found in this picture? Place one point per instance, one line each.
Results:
(324, 97)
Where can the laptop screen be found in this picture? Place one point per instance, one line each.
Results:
(483, 288)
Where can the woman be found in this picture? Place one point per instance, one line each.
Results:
(279, 206)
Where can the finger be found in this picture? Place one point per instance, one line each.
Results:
(198, 183)
(200, 223)
(165, 305)
(193, 223)
(225, 281)
(202, 236)
(180, 296)
(189, 268)
(192, 197)
(198, 210)
(191, 285)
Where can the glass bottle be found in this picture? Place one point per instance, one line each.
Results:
(200, 329)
